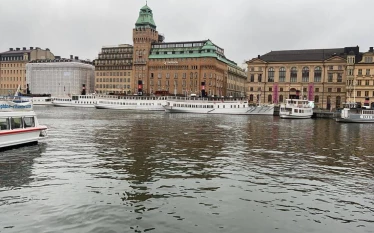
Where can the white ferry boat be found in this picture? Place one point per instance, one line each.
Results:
(36, 100)
(84, 101)
(145, 103)
(351, 114)
(296, 109)
(18, 124)
(205, 106)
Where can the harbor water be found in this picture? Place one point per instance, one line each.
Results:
(117, 171)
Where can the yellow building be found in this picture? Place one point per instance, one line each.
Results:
(316, 74)
(113, 70)
(361, 83)
(13, 67)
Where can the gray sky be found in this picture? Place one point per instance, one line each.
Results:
(244, 28)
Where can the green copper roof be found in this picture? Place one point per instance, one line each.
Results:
(145, 18)
(209, 45)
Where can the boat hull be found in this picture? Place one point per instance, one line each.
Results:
(11, 138)
(284, 116)
(73, 105)
(129, 107)
(228, 111)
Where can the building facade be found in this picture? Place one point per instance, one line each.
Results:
(113, 70)
(319, 75)
(13, 67)
(60, 77)
(181, 68)
(360, 84)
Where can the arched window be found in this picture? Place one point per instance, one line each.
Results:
(196, 75)
(270, 99)
(317, 74)
(271, 74)
(305, 75)
(293, 75)
(338, 102)
(251, 98)
(282, 74)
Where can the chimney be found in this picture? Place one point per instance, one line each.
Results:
(17, 49)
(71, 57)
(76, 58)
(371, 49)
(258, 56)
(10, 49)
(24, 48)
(31, 48)
(47, 49)
(57, 57)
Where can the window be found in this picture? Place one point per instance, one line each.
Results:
(16, 123)
(29, 122)
(358, 82)
(358, 93)
(271, 74)
(252, 79)
(330, 78)
(293, 75)
(329, 89)
(316, 99)
(339, 78)
(367, 71)
(366, 82)
(317, 74)
(338, 89)
(4, 124)
(305, 74)
(251, 89)
(366, 93)
(270, 98)
(350, 72)
(281, 98)
(270, 89)
(259, 78)
(331, 67)
(368, 59)
(359, 71)
(282, 74)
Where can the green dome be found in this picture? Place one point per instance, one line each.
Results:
(209, 45)
(145, 18)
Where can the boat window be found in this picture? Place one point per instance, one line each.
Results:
(75, 97)
(16, 122)
(4, 124)
(29, 122)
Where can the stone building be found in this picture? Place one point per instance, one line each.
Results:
(60, 77)
(316, 74)
(113, 70)
(13, 67)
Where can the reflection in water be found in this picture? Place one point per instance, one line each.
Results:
(114, 171)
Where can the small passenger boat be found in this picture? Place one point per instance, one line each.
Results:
(19, 124)
(352, 114)
(296, 109)
(144, 103)
(84, 101)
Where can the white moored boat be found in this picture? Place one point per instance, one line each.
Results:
(145, 103)
(351, 114)
(84, 101)
(18, 124)
(205, 106)
(296, 109)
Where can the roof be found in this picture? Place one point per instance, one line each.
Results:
(145, 18)
(16, 52)
(302, 55)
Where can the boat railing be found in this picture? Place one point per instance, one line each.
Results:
(367, 112)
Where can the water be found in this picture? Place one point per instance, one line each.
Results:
(113, 171)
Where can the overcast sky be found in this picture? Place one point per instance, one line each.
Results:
(243, 28)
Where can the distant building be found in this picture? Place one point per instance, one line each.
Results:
(319, 75)
(113, 70)
(13, 67)
(60, 77)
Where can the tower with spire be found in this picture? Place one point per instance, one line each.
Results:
(144, 34)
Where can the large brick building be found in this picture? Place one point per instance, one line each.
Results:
(181, 68)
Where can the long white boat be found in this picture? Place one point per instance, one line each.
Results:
(351, 114)
(19, 124)
(206, 106)
(83, 101)
(145, 103)
(36, 100)
(296, 109)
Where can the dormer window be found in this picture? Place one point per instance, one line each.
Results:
(368, 59)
